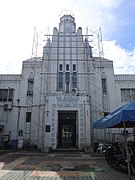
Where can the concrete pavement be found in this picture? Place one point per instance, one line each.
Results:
(56, 166)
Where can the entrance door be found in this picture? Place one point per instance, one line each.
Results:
(67, 135)
(67, 129)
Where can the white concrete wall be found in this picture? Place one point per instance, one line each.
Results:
(9, 118)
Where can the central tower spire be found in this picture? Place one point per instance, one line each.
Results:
(67, 24)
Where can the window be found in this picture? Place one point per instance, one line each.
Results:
(67, 77)
(28, 127)
(20, 133)
(60, 67)
(74, 80)
(74, 67)
(47, 129)
(67, 87)
(6, 94)
(30, 86)
(10, 95)
(60, 81)
(127, 95)
(67, 67)
(133, 94)
(104, 88)
(28, 116)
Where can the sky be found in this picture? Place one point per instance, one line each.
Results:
(18, 19)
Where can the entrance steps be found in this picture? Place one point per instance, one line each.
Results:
(67, 150)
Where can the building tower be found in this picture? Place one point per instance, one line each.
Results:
(65, 59)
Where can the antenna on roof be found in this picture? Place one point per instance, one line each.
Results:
(35, 44)
(66, 12)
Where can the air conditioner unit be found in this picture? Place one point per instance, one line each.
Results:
(29, 92)
(31, 79)
(7, 107)
(74, 90)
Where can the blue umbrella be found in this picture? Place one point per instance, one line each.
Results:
(121, 117)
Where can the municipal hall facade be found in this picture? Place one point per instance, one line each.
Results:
(57, 97)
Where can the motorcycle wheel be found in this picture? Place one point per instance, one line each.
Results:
(123, 167)
(110, 160)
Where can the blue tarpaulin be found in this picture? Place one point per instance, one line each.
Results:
(117, 118)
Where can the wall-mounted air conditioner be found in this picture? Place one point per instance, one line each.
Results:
(74, 90)
(7, 107)
(29, 92)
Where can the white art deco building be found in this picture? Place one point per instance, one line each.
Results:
(57, 97)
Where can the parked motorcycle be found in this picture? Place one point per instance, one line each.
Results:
(131, 150)
(116, 157)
